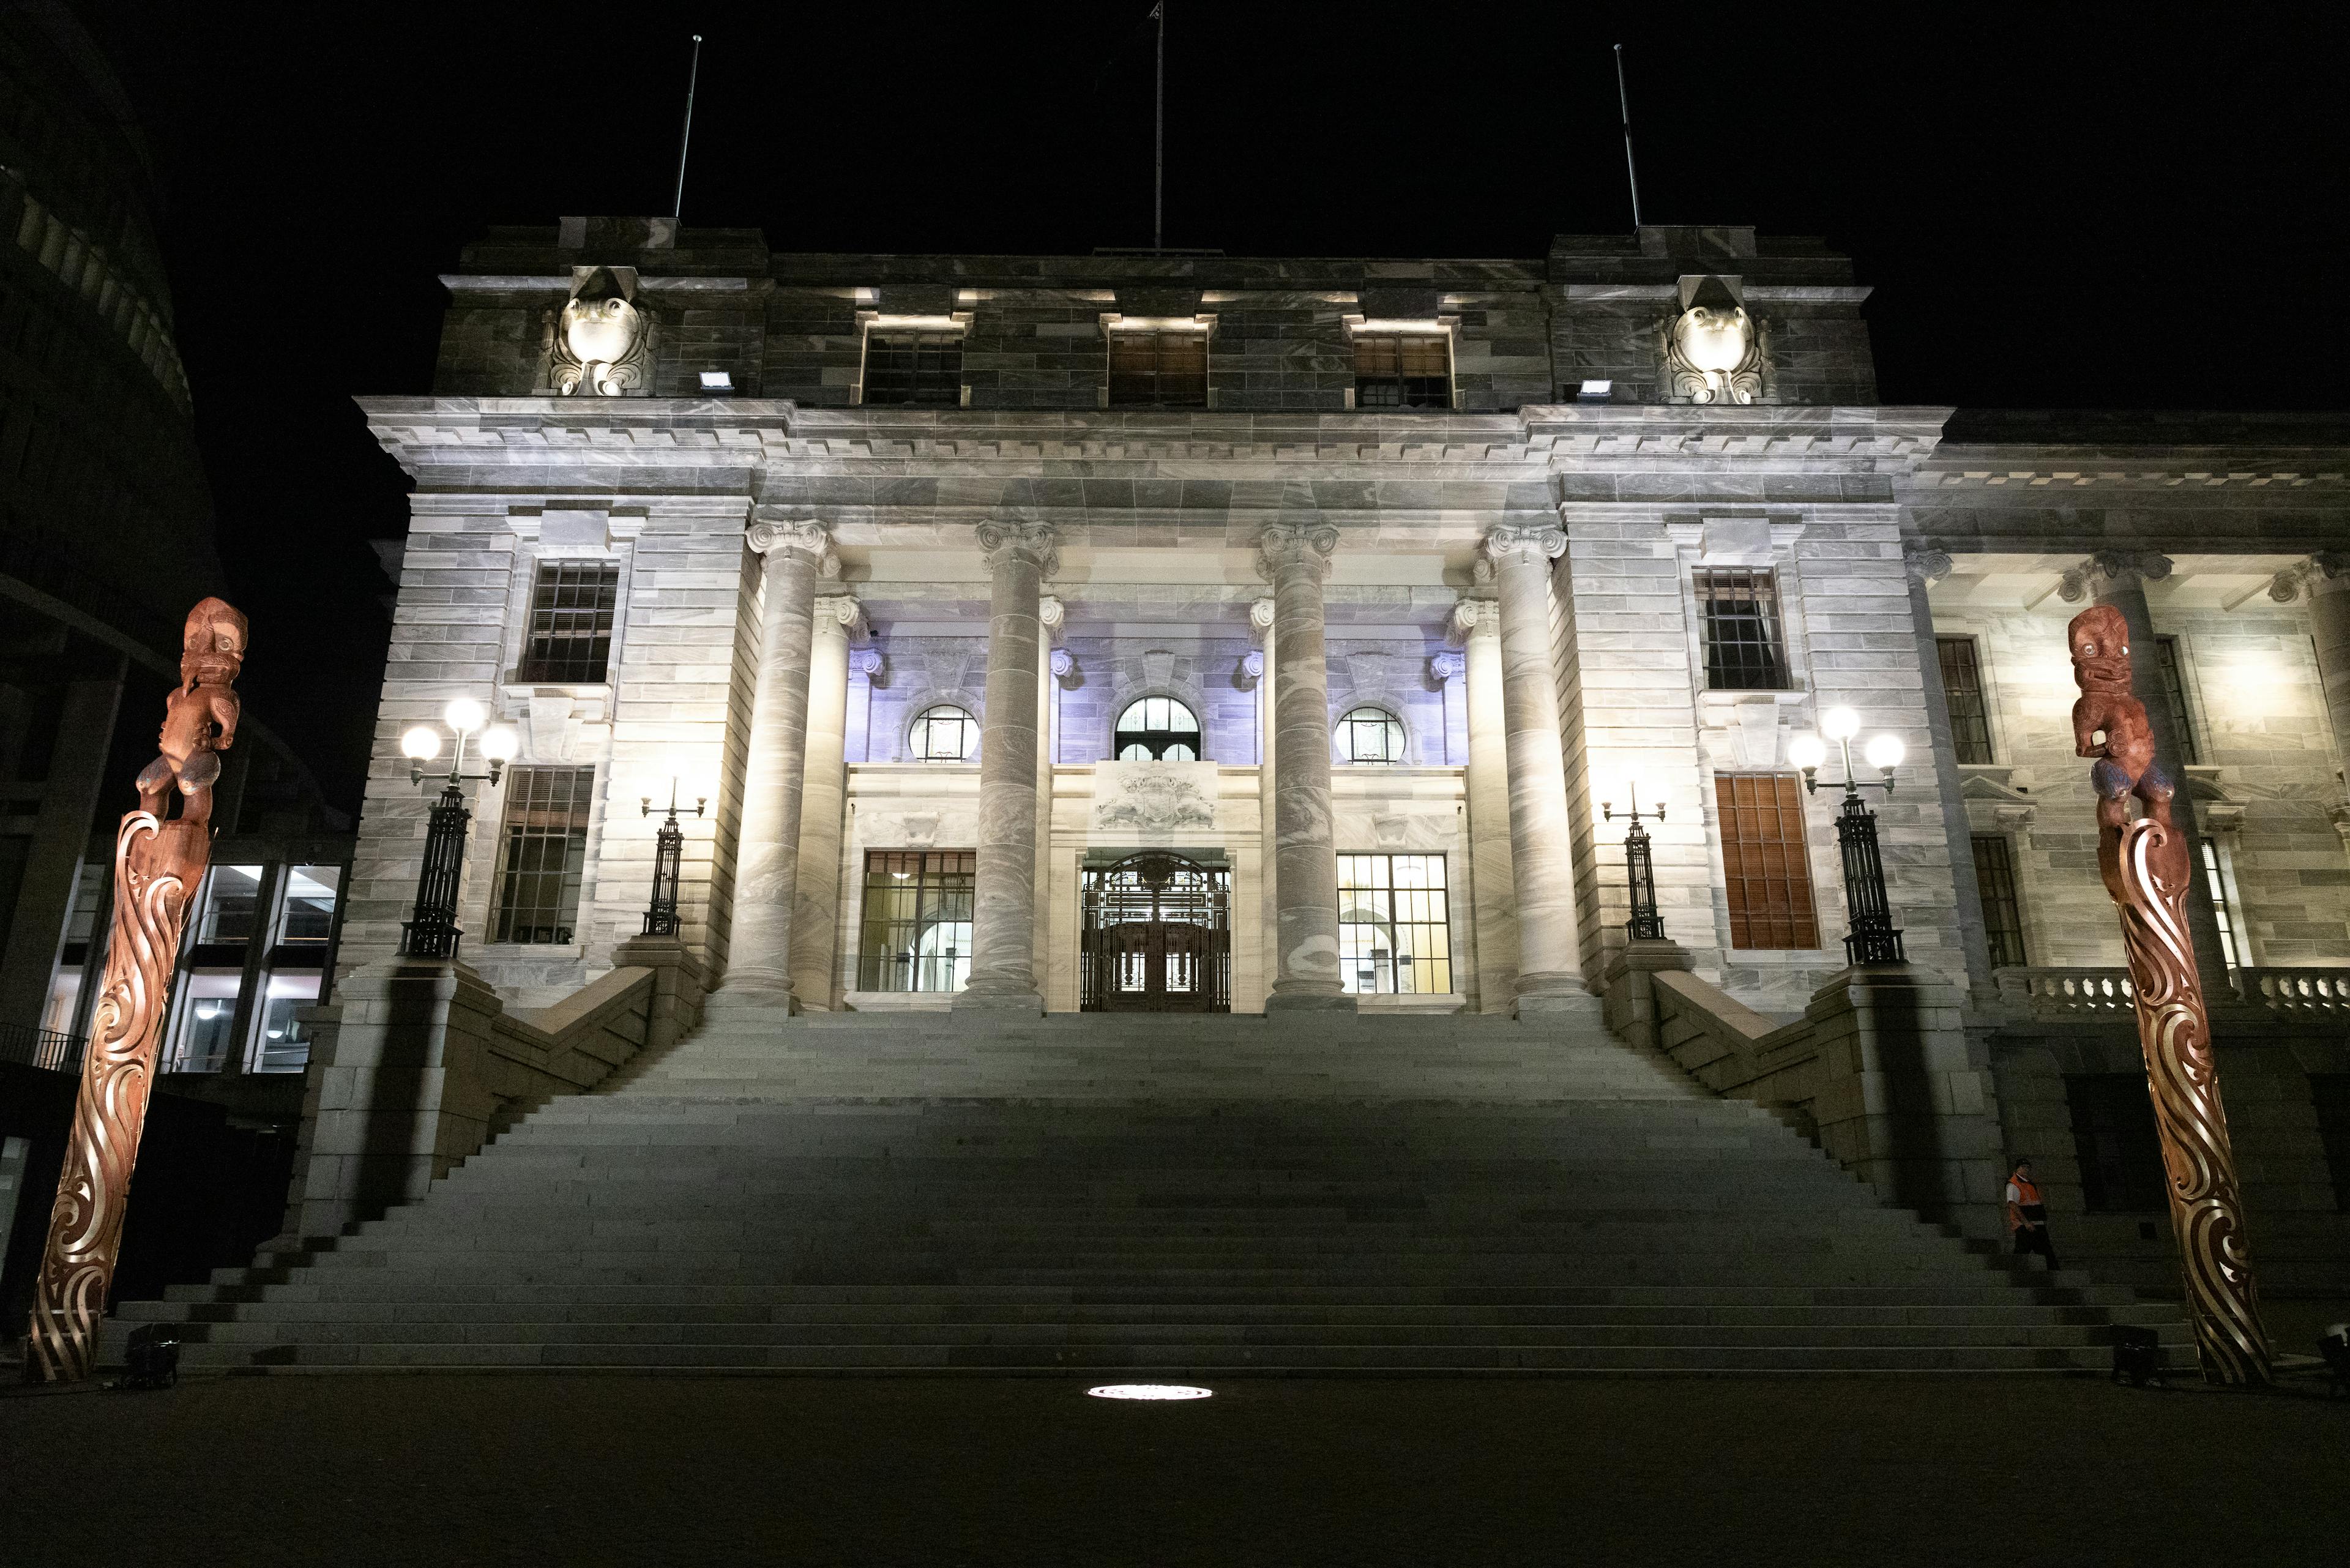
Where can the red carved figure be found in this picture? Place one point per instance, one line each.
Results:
(2101, 667)
(200, 719)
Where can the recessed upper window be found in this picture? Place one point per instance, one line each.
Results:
(945, 734)
(1370, 735)
(1156, 729)
(571, 610)
(1744, 648)
(1403, 370)
(1158, 369)
(917, 368)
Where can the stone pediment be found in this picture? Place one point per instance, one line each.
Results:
(1995, 801)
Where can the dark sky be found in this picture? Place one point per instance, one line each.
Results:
(2111, 206)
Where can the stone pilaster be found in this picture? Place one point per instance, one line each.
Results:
(1296, 558)
(1020, 555)
(2326, 578)
(1927, 567)
(1050, 615)
(1261, 618)
(1541, 868)
(2119, 577)
(1476, 628)
(759, 963)
(816, 904)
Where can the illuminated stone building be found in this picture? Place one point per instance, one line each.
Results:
(1185, 632)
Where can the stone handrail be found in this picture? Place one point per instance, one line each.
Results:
(2104, 992)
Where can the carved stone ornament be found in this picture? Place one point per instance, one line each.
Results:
(2318, 574)
(1251, 670)
(1260, 617)
(1467, 617)
(600, 343)
(769, 534)
(1065, 667)
(1005, 538)
(1291, 546)
(1927, 566)
(1153, 798)
(867, 661)
(2146, 864)
(159, 863)
(843, 611)
(1444, 667)
(1713, 351)
(2108, 570)
(1518, 543)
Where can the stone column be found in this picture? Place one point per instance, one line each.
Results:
(1549, 968)
(2326, 576)
(1020, 555)
(1476, 628)
(815, 904)
(1926, 568)
(1296, 558)
(1268, 901)
(2119, 577)
(1049, 617)
(766, 859)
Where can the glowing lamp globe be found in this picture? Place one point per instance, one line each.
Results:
(421, 743)
(1807, 751)
(500, 744)
(1885, 751)
(1839, 723)
(465, 715)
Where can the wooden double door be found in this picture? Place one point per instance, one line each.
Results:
(1159, 966)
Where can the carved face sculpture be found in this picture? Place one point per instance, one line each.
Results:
(212, 645)
(600, 328)
(2099, 636)
(1713, 337)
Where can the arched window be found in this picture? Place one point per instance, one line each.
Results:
(945, 734)
(1156, 729)
(1370, 735)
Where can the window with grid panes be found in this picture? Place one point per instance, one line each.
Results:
(1371, 735)
(542, 853)
(2002, 915)
(1400, 371)
(2115, 1140)
(571, 609)
(945, 734)
(1765, 873)
(914, 367)
(916, 928)
(2218, 874)
(1394, 931)
(2174, 697)
(1158, 369)
(1156, 729)
(1962, 684)
(1744, 648)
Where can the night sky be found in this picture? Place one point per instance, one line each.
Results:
(2113, 207)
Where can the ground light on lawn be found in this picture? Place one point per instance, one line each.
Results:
(1149, 1391)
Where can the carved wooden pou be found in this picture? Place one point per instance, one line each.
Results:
(2148, 872)
(160, 856)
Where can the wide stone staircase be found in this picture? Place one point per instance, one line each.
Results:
(1151, 1195)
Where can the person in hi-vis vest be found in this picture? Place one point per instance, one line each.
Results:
(2027, 1215)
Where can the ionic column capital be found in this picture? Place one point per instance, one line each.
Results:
(1289, 546)
(2327, 571)
(774, 536)
(1260, 618)
(2110, 570)
(1447, 666)
(1004, 541)
(1524, 543)
(1251, 669)
(867, 661)
(1926, 567)
(1467, 617)
(840, 611)
(1050, 614)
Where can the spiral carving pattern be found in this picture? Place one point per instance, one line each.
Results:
(2146, 875)
(157, 868)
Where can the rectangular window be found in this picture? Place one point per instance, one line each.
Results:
(1744, 649)
(543, 853)
(2330, 1093)
(2218, 874)
(915, 368)
(309, 918)
(1398, 370)
(232, 905)
(2114, 1137)
(571, 621)
(2174, 697)
(1969, 708)
(1767, 875)
(917, 925)
(1395, 930)
(285, 1043)
(205, 1025)
(2003, 917)
(1158, 369)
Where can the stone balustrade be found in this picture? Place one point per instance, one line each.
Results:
(2054, 993)
(2296, 990)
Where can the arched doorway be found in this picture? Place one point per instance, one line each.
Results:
(1156, 937)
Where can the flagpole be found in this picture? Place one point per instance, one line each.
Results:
(1624, 97)
(692, 76)
(1159, 145)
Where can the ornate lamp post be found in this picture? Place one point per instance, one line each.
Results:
(432, 932)
(669, 865)
(1873, 938)
(1639, 867)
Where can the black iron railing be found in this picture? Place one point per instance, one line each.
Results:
(47, 1049)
